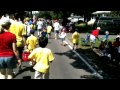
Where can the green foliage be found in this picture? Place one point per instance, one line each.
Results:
(115, 13)
(84, 28)
(50, 14)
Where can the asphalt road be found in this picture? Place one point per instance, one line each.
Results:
(67, 65)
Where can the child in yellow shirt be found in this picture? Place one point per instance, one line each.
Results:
(31, 41)
(42, 57)
(75, 39)
(49, 29)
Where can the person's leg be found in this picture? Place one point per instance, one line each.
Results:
(20, 51)
(73, 46)
(62, 41)
(9, 73)
(38, 32)
(55, 34)
(38, 75)
(2, 73)
(76, 45)
(11, 63)
(50, 35)
(46, 75)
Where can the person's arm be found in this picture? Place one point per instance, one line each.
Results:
(15, 50)
(51, 57)
(23, 35)
(98, 38)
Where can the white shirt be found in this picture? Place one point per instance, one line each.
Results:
(39, 24)
(56, 26)
(62, 35)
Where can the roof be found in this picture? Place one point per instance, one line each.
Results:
(101, 12)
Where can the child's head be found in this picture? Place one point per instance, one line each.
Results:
(32, 31)
(43, 41)
(45, 29)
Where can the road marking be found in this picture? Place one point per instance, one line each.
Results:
(95, 72)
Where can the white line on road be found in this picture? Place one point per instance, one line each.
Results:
(95, 72)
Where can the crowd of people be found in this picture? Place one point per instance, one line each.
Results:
(18, 36)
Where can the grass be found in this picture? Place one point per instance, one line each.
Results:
(102, 62)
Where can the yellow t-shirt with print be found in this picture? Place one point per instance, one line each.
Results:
(42, 56)
(75, 37)
(32, 42)
(18, 29)
(49, 28)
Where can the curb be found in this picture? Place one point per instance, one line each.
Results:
(95, 73)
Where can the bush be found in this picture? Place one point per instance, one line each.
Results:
(84, 28)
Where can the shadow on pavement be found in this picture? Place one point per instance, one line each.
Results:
(77, 63)
(27, 77)
(23, 70)
(110, 71)
(101, 64)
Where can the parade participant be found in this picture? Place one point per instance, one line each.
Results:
(49, 29)
(56, 26)
(18, 29)
(75, 39)
(42, 57)
(94, 35)
(31, 41)
(8, 52)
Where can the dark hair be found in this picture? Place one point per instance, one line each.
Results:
(117, 39)
(43, 41)
(32, 31)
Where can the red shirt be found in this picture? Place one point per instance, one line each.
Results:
(6, 40)
(116, 44)
(95, 32)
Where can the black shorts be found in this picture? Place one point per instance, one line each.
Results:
(57, 31)
(75, 43)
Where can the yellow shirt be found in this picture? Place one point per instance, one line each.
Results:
(42, 56)
(32, 26)
(49, 28)
(75, 37)
(32, 42)
(18, 29)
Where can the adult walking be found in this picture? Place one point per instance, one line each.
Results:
(56, 26)
(8, 51)
(18, 29)
(94, 35)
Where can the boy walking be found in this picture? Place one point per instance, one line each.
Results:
(42, 57)
(31, 41)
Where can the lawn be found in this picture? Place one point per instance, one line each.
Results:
(102, 62)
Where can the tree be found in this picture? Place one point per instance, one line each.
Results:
(115, 13)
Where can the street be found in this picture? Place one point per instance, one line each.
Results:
(67, 65)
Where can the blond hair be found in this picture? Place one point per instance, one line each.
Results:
(1, 29)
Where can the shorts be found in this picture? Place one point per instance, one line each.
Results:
(75, 43)
(39, 30)
(8, 62)
(39, 75)
(62, 39)
(92, 38)
(57, 31)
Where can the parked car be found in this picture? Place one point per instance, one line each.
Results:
(108, 24)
